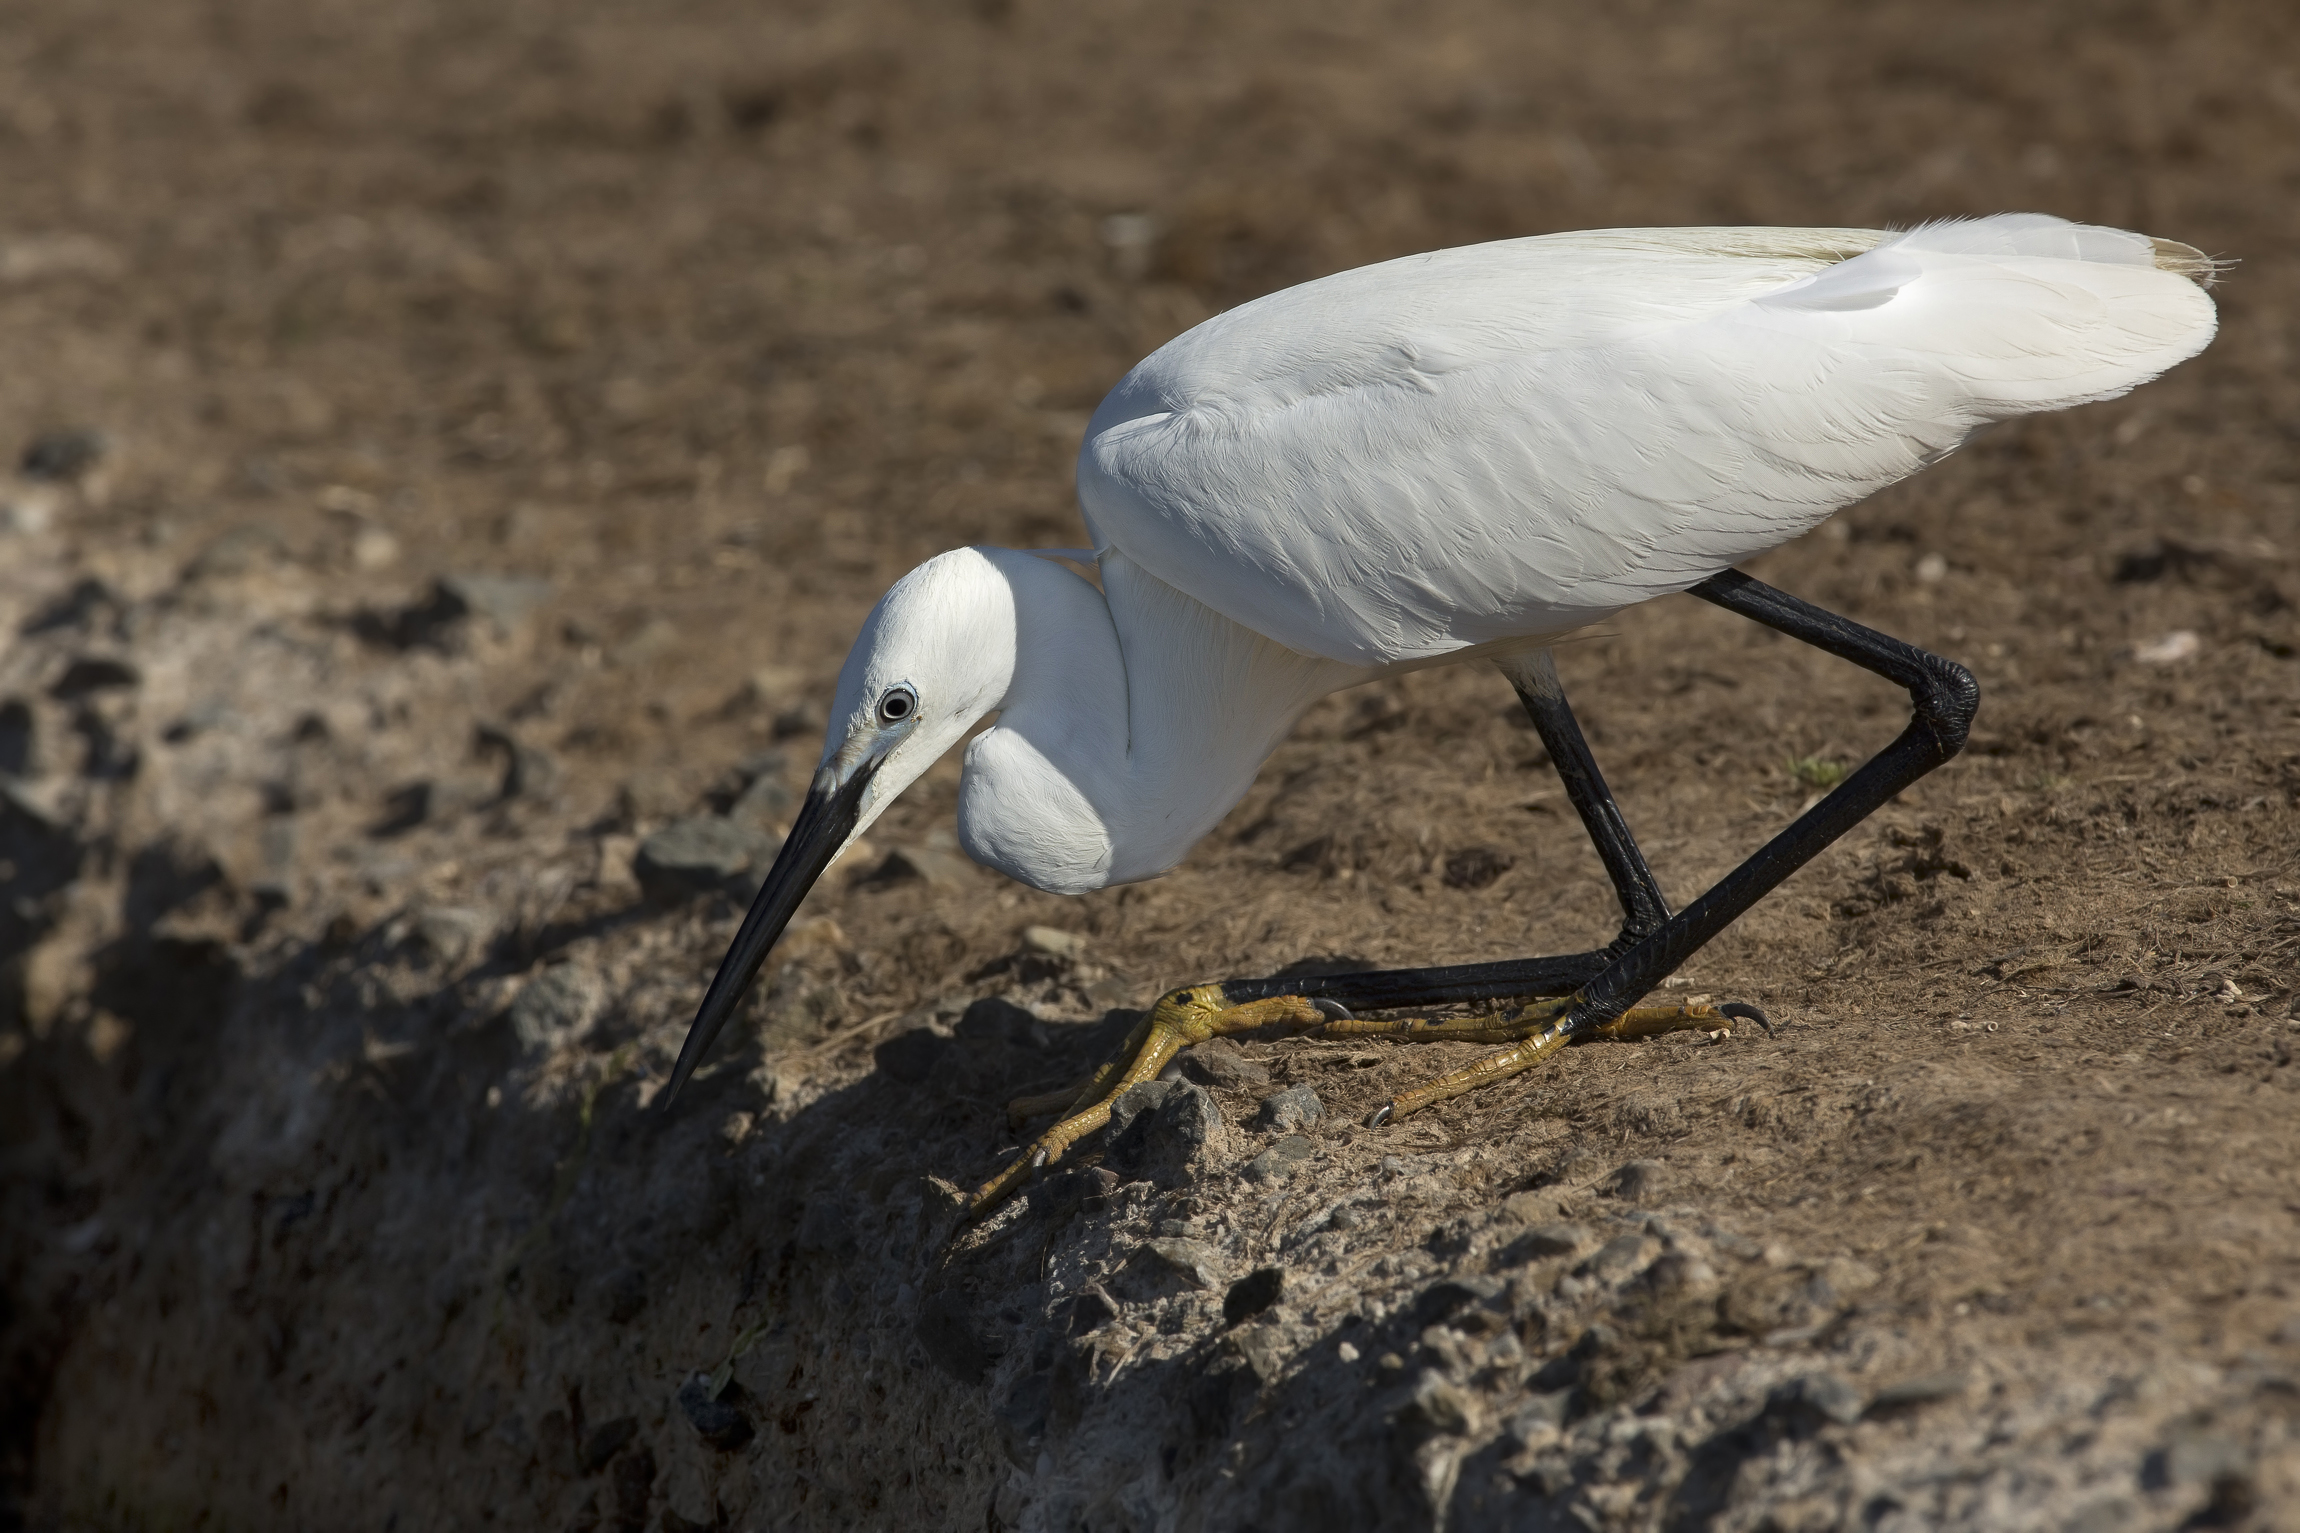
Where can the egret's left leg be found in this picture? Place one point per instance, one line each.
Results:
(1179, 1020)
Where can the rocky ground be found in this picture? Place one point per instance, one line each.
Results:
(452, 450)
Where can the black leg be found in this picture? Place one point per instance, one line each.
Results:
(1944, 696)
(1643, 910)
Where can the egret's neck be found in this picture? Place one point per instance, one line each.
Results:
(1132, 725)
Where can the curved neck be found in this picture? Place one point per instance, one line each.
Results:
(1134, 721)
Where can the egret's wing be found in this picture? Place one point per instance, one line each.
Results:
(1515, 439)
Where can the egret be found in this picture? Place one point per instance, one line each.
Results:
(1458, 456)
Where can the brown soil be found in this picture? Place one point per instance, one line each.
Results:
(331, 1007)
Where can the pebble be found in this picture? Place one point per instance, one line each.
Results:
(1197, 1261)
(720, 1422)
(1281, 1160)
(1220, 1064)
(702, 855)
(1287, 1111)
(1638, 1181)
(90, 674)
(1619, 1257)
(940, 870)
(1926, 1390)
(1822, 1394)
(1545, 1240)
(555, 1007)
(1054, 942)
(1170, 1130)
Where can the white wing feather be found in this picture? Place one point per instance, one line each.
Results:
(1515, 439)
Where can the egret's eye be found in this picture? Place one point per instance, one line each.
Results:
(898, 704)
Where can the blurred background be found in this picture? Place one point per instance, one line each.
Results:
(447, 444)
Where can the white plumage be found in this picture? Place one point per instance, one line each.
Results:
(1414, 458)
(1455, 455)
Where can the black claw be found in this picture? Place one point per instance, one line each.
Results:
(1334, 1011)
(1743, 1011)
(1379, 1115)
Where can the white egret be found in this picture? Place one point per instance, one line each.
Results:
(1457, 456)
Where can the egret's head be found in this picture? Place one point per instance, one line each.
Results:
(934, 656)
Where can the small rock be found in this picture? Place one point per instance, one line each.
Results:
(1133, 1102)
(1547, 1240)
(1290, 1110)
(766, 803)
(1173, 1141)
(63, 456)
(913, 1056)
(529, 771)
(941, 870)
(1252, 1294)
(1282, 1159)
(657, 637)
(1619, 1257)
(1926, 1390)
(1822, 1395)
(1218, 1063)
(93, 673)
(1444, 1298)
(703, 855)
(611, 1438)
(1054, 942)
(1197, 1261)
(1534, 1206)
(1438, 1408)
(1638, 1181)
(236, 552)
(504, 600)
(88, 600)
(556, 1007)
(452, 933)
(2196, 1458)
(721, 1422)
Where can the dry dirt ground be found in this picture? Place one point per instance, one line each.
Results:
(458, 442)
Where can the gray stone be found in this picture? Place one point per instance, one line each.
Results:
(1281, 1160)
(1639, 1181)
(1620, 1257)
(1289, 1111)
(452, 933)
(1170, 1136)
(1133, 1102)
(1547, 1240)
(1908, 1394)
(941, 870)
(766, 803)
(718, 1419)
(556, 1007)
(504, 600)
(1195, 1260)
(703, 855)
(1822, 1395)
(1218, 1063)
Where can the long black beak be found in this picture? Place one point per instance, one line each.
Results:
(824, 822)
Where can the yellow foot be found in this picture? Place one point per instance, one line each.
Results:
(1539, 1030)
(1180, 1019)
